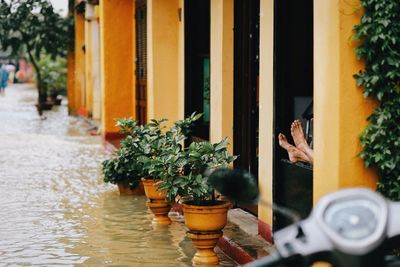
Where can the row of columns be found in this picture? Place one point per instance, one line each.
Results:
(339, 108)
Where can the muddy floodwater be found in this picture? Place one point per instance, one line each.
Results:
(55, 209)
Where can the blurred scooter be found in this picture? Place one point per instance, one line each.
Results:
(349, 228)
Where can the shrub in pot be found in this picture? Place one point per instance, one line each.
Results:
(124, 168)
(53, 77)
(164, 160)
(121, 170)
(205, 217)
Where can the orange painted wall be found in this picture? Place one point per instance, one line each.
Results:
(340, 110)
(117, 35)
(79, 95)
(266, 106)
(221, 80)
(164, 96)
(88, 67)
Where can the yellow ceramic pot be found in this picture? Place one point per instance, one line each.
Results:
(206, 218)
(138, 191)
(150, 188)
(157, 202)
(205, 224)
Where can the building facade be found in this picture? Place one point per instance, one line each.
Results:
(251, 67)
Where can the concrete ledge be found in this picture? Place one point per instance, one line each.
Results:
(232, 250)
(242, 241)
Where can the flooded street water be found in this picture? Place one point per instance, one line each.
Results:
(55, 209)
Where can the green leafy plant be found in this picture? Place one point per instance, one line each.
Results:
(125, 165)
(122, 168)
(193, 184)
(167, 158)
(54, 74)
(379, 36)
(32, 27)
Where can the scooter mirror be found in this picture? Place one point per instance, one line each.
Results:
(237, 185)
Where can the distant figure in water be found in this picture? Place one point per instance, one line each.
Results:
(3, 79)
(301, 151)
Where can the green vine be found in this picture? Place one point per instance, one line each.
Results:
(379, 36)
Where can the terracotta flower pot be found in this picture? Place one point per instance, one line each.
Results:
(150, 188)
(138, 191)
(157, 202)
(205, 224)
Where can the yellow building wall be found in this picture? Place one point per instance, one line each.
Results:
(266, 108)
(96, 111)
(79, 87)
(221, 76)
(117, 35)
(88, 67)
(340, 110)
(164, 91)
(71, 82)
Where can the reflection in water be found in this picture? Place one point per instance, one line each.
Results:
(54, 208)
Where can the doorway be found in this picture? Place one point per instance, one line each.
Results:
(246, 77)
(197, 65)
(141, 61)
(293, 89)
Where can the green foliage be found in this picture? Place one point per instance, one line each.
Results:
(166, 159)
(154, 151)
(122, 168)
(379, 33)
(33, 27)
(54, 74)
(125, 165)
(199, 157)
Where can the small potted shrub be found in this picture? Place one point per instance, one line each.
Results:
(54, 79)
(124, 169)
(121, 170)
(205, 217)
(163, 160)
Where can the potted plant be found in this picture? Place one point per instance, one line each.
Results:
(53, 79)
(121, 170)
(163, 160)
(124, 169)
(205, 217)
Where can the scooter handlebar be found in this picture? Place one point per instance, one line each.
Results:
(321, 237)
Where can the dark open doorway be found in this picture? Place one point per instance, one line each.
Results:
(141, 60)
(197, 64)
(293, 87)
(246, 73)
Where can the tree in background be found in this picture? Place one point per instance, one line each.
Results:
(33, 28)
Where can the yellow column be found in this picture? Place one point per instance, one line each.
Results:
(88, 66)
(164, 92)
(221, 80)
(71, 82)
(266, 106)
(340, 110)
(79, 61)
(117, 34)
(96, 112)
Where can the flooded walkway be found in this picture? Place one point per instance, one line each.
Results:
(55, 209)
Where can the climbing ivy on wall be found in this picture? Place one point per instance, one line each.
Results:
(379, 36)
